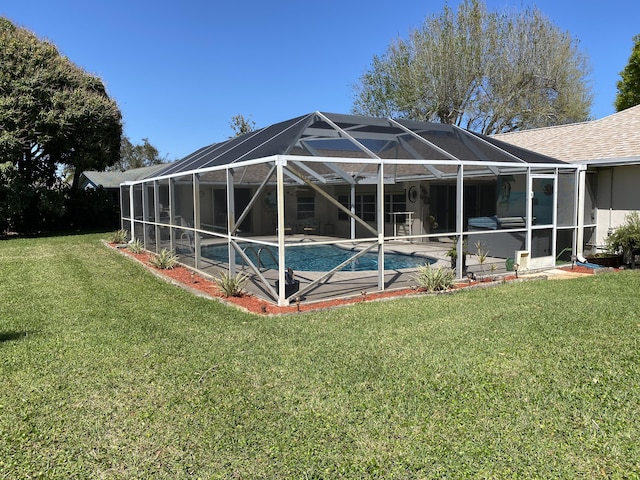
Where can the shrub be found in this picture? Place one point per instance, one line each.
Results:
(165, 260)
(136, 246)
(626, 238)
(93, 209)
(38, 207)
(119, 236)
(231, 285)
(435, 279)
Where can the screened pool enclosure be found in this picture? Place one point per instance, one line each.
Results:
(351, 204)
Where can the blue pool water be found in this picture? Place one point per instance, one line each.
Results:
(320, 258)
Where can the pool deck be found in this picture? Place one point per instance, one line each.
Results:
(345, 284)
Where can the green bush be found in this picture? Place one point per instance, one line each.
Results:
(435, 279)
(231, 285)
(165, 260)
(38, 207)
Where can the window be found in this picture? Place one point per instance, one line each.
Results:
(306, 208)
(394, 202)
(365, 206)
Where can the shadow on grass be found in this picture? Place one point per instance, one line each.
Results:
(10, 336)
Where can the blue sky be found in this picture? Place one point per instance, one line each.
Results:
(180, 70)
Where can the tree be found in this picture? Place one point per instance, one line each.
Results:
(136, 156)
(629, 85)
(52, 114)
(485, 71)
(241, 125)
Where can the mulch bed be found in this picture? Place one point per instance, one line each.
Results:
(190, 280)
(579, 269)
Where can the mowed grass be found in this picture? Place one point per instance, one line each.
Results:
(108, 372)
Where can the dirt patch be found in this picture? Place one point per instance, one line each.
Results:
(191, 280)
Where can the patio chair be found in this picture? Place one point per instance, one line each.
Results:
(187, 236)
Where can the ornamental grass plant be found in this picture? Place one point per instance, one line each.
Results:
(165, 260)
(435, 279)
(231, 285)
(136, 246)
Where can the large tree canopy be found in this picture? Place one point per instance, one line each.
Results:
(52, 113)
(485, 71)
(629, 85)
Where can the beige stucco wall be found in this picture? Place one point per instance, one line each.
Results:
(618, 193)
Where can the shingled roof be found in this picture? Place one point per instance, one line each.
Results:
(113, 178)
(615, 137)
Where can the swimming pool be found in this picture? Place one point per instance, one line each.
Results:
(319, 258)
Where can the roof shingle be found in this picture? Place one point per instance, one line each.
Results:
(614, 137)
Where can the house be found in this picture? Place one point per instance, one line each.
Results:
(349, 191)
(111, 180)
(610, 150)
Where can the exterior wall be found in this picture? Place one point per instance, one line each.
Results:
(617, 195)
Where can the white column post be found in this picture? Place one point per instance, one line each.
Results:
(131, 210)
(231, 220)
(352, 207)
(145, 213)
(581, 188)
(460, 250)
(529, 207)
(196, 219)
(156, 206)
(380, 226)
(281, 244)
(172, 214)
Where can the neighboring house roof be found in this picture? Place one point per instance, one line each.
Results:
(113, 179)
(612, 139)
(350, 136)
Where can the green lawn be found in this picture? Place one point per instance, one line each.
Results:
(107, 372)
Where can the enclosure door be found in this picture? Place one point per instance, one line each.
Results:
(542, 244)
